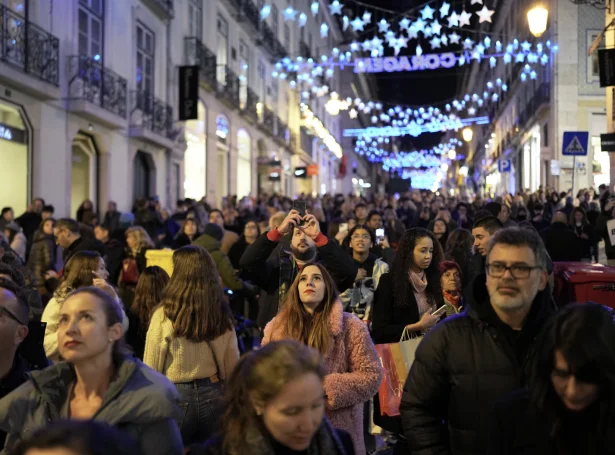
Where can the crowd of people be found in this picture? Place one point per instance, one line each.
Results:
(263, 338)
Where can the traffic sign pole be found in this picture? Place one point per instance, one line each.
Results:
(574, 171)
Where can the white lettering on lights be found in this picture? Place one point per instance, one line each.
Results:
(404, 63)
(5, 133)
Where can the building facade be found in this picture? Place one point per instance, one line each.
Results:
(89, 102)
(528, 122)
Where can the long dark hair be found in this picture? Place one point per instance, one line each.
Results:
(459, 246)
(148, 293)
(582, 211)
(585, 336)
(402, 289)
(194, 299)
(78, 273)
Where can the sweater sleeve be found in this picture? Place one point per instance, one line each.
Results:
(50, 316)
(156, 343)
(226, 353)
(364, 374)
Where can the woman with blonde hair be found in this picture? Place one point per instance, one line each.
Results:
(83, 269)
(275, 403)
(313, 314)
(192, 341)
(138, 242)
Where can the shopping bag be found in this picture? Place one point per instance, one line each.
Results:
(408, 344)
(130, 271)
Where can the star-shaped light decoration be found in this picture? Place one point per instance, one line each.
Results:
(289, 14)
(468, 44)
(471, 111)
(523, 77)
(404, 23)
(474, 2)
(399, 43)
(352, 113)
(419, 50)
(526, 46)
(427, 12)
(336, 7)
(485, 14)
(436, 28)
(354, 46)
(493, 62)
(454, 38)
(487, 42)
(532, 58)
(413, 33)
(367, 17)
(464, 18)
(324, 30)
(357, 24)
(445, 9)
(366, 45)
(480, 49)
(498, 47)
(265, 12)
(376, 43)
(453, 20)
(428, 32)
(419, 25)
(302, 19)
(345, 23)
(507, 58)
(444, 40)
(383, 26)
(314, 8)
(544, 59)
(435, 43)
(390, 37)
(520, 58)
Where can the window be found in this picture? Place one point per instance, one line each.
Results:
(302, 34)
(244, 67)
(287, 38)
(274, 91)
(146, 46)
(262, 83)
(195, 18)
(222, 54)
(593, 67)
(310, 42)
(545, 135)
(274, 20)
(91, 25)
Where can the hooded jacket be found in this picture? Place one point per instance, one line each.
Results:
(461, 368)
(223, 263)
(353, 369)
(139, 401)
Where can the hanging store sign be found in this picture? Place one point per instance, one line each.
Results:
(12, 134)
(607, 142)
(188, 93)
(405, 63)
(312, 170)
(606, 64)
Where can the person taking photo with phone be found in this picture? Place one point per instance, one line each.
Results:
(274, 274)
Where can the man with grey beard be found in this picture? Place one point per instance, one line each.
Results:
(467, 362)
(273, 274)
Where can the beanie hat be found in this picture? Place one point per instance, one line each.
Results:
(213, 230)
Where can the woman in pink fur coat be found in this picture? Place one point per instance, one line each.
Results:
(313, 314)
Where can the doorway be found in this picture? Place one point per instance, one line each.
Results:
(143, 176)
(84, 181)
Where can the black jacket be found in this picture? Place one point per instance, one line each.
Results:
(562, 243)
(82, 244)
(269, 273)
(586, 244)
(462, 367)
(475, 267)
(16, 377)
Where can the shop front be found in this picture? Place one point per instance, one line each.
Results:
(15, 153)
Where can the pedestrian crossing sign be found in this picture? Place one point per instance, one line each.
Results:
(575, 143)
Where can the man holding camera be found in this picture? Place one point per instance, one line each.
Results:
(275, 273)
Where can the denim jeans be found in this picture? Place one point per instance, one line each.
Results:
(201, 407)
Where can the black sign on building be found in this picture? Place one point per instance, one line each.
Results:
(606, 63)
(188, 93)
(607, 142)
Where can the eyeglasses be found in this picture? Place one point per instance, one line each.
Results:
(360, 237)
(4, 311)
(518, 271)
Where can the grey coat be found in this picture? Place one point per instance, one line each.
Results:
(139, 401)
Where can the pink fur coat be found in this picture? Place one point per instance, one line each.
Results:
(353, 370)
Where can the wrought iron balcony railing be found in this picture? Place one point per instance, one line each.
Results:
(282, 133)
(28, 47)
(249, 109)
(268, 39)
(304, 50)
(198, 54)
(228, 85)
(150, 113)
(164, 8)
(268, 121)
(92, 82)
(251, 13)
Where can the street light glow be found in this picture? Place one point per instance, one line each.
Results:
(468, 134)
(537, 20)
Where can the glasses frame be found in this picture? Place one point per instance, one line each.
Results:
(509, 268)
(11, 315)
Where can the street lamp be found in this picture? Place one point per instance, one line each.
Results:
(537, 20)
(467, 134)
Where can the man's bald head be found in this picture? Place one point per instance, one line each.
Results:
(13, 299)
(560, 217)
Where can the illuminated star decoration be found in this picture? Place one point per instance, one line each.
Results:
(419, 50)
(352, 113)
(336, 7)
(445, 9)
(354, 46)
(357, 24)
(468, 44)
(526, 46)
(436, 28)
(399, 43)
(314, 7)
(435, 42)
(367, 17)
(485, 14)
(345, 23)
(383, 26)
(324, 30)
(427, 12)
(474, 2)
(302, 19)
(265, 12)
(289, 14)
(453, 20)
(419, 25)
(454, 38)
(444, 40)
(404, 24)
(413, 33)
(464, 18)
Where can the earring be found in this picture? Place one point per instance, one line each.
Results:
(258, 413)
(110, 340)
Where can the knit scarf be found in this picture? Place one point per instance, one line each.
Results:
(419, 286)
(452, 299)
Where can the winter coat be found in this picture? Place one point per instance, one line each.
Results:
(585, 244)
(223, 263)
(229, 239)
(15, 377)
(475, 267)
(19, 245)
(42, 256)
(353, 369)
(358, 299)
(562, 243)
(139, 401)
(82, 244)
(461, 368)
(270, 273)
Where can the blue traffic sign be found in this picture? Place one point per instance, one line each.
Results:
(575, 143)
(504, 165)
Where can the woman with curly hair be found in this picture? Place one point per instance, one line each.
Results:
(134, 262)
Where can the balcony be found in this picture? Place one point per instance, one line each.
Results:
(228, 86)
(27, 48)
(282, 135)
(304, 50)
(151, 119)
(541, 98)
(294, 143)
(251, 13)
(268, 40)
(268, 121)
(249, 108)
(162, 8)
(96, 91)
(199, 55)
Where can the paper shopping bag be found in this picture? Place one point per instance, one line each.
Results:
(408, 346)
(389, 393)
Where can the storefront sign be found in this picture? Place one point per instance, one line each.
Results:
(606, 64)
(405, 63)
(301, 172)
(9, 133)
(607, 142)
(312, 170)
(188, 93)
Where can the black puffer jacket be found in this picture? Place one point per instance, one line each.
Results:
(462, 367)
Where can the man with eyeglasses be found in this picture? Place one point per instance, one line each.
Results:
(13, 331)
(467, 362)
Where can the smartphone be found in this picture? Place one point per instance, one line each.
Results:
(300, 206)
(439, 311)
(380, 233)
(343, 227)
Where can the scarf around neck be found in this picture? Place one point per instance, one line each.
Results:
(419, 285)
(452, 299)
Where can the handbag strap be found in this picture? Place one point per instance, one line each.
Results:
(408, 335)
